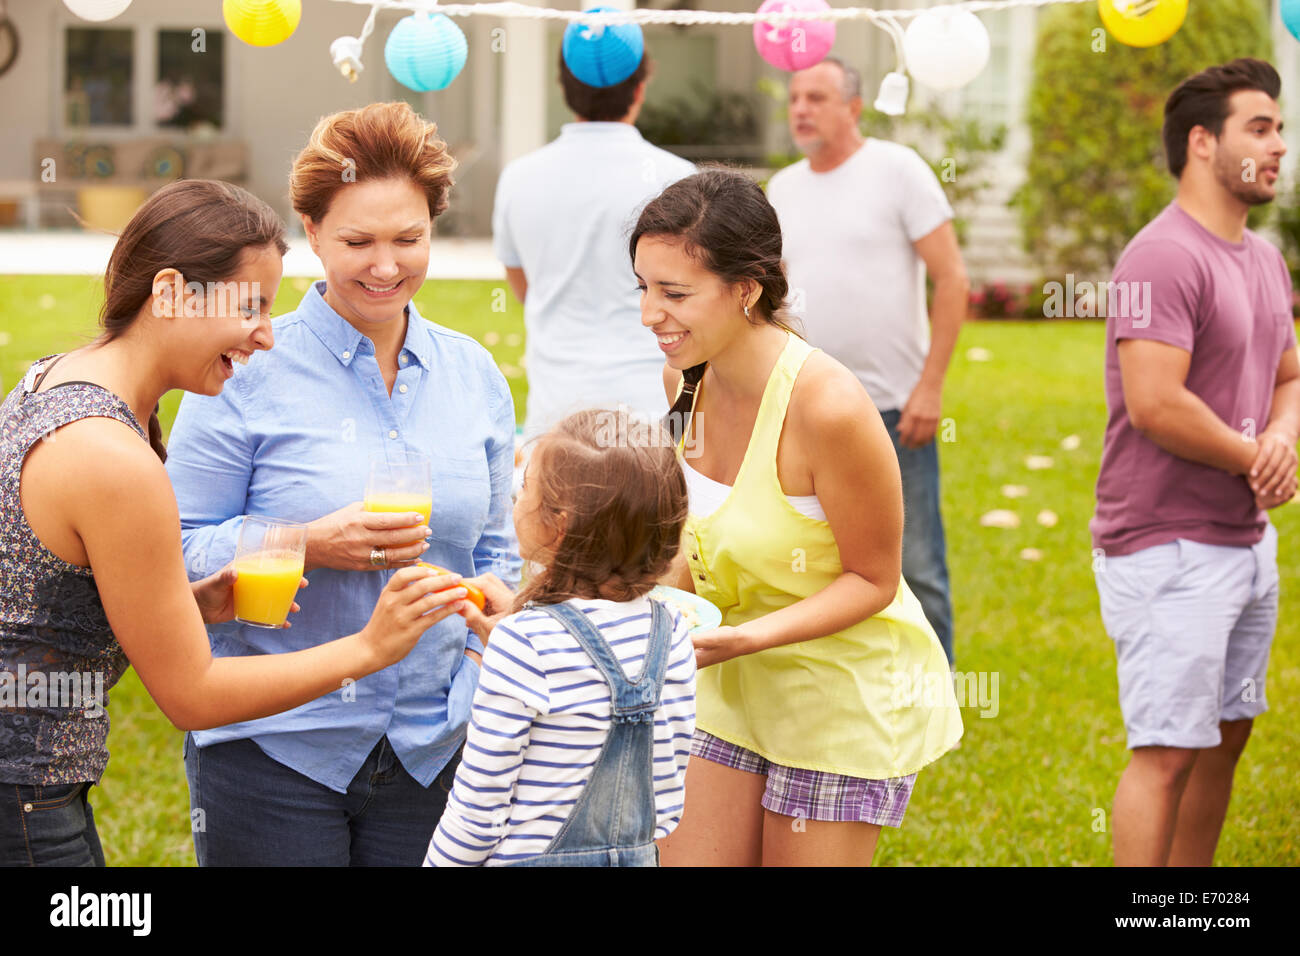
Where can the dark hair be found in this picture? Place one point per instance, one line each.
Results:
(732, 230)
(602, 104)
(611, 486)
(379, 141)
(198, 227)
(1202, 100)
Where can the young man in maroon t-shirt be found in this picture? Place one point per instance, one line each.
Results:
(1203, 392)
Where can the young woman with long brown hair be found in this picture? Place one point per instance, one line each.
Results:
(92, 577)
(825, 690)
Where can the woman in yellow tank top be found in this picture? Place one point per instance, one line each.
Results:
(825, 690)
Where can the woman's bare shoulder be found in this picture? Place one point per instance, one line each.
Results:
(828, 400)
(97, 457)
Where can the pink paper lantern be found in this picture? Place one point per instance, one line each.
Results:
(796, 44)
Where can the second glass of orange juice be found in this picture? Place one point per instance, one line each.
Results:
(269, 561)
(402, 481)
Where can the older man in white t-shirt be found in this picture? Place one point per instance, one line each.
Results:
(560, 226)
(861, 222)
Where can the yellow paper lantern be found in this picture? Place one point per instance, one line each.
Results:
(262, 22)
(1142, 23)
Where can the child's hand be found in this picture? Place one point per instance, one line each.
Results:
(480, 623)
(497, 593)
(498, 600)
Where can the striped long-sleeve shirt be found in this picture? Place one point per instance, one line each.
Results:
(540, 717)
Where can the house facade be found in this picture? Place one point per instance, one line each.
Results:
(163, 90)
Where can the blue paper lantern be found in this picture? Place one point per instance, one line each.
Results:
(426, 51)
(600, 55)
(1290, 10)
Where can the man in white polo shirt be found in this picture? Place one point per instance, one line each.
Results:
(861, 222)
(560, 226)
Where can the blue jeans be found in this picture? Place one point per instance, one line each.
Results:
(925, 559)
(247, 809)
(48, 826)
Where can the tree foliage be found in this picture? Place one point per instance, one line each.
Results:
(1096, 171)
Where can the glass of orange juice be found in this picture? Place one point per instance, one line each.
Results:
(269, 560)
(400, 482)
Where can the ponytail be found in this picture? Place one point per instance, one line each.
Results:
(678, 416)
(155, 436)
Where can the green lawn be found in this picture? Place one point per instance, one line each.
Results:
(1030, 785)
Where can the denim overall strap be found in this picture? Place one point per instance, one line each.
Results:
(631, 701)
(613, 822)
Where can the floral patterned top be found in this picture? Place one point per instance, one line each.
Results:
(58, 656)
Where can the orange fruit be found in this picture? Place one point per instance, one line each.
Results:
(472, 594)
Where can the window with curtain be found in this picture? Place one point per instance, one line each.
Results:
(189, 88)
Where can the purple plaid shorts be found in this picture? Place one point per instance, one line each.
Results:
(812, 794)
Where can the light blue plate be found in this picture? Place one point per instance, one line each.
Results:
(709, 615)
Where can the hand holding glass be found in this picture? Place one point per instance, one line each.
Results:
(401, 483)
(269, 561)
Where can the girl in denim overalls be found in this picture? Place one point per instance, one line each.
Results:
(581, 726)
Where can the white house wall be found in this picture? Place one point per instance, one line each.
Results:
(507, 102)
(274, 96)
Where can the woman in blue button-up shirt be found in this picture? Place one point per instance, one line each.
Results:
(359, 776)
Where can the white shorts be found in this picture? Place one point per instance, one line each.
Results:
(1192, 625)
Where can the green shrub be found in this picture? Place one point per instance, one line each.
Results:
(1096, 172)
(707, 125)
(1288, 227)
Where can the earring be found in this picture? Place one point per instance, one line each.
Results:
(746, 311)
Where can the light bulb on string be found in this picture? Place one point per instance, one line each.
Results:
(97, 10)
(892, 97)
(262, 22)
(346, 54)
(426, 51)
(346, 51)
(795, 44)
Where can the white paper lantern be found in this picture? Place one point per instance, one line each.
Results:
(946, 50)
(97, 9)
